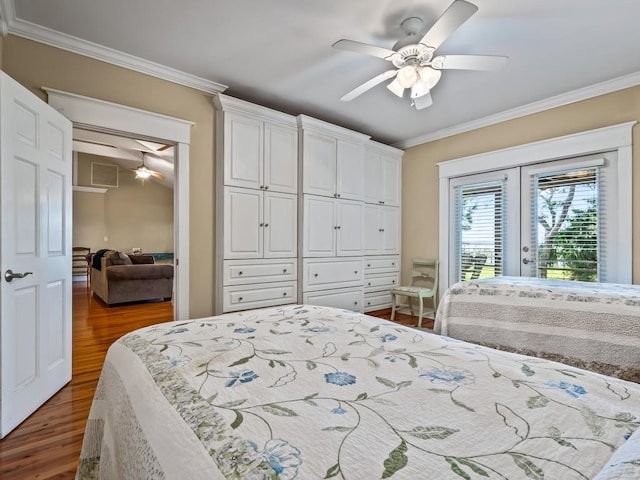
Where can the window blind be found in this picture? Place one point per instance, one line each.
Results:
(566, 225)
(480, 236)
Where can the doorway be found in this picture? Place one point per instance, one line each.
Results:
(497, 201)
(100, 116)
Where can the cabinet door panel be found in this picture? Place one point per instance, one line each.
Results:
(350, 231)
(243, 235)
(243, 155)
(319, 164)
(391, 172)
(280, 159)
(372, 227)
(372, 177)
(280, 225)
(350, 173)
(391, 229)
(319, 227)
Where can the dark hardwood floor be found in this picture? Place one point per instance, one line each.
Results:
(47, 444)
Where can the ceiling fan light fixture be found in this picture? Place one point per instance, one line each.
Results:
(407, 76)
(429, 77)
(396, 88)
(143, 172)
(419, 89)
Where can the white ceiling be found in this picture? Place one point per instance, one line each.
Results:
(278, 53)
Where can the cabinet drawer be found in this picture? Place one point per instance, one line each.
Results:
(323, 274)
(242, 272)
(383, 263)
(345, 298)
(255, 296)
(376, 301)
(381, 281)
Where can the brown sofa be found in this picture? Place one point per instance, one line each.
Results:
(125, 278)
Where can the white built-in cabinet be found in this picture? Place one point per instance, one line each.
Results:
(382, 216)
(306, 212)
(256, 206)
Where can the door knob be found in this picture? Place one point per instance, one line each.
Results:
(9, 275)
(526, 261)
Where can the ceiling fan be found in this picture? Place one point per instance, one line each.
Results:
(144, 172)
(416, 68)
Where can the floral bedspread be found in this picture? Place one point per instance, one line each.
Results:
(306, 392)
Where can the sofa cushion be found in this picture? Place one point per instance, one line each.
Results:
(139, 272)
(139, 259)
(125, 258)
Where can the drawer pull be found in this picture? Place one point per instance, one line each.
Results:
(369, 283)
(368, 303)
(356, 272)
(315, 274)
(368, 265)
(284, 270)
(355, 303)
(393, 264)
(239, 299)
(239, 273)
(284, 294)
(393, 281)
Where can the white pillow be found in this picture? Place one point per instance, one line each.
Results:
(624, 464)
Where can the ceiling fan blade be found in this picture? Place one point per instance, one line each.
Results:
(157, 175)
(458, 12)
(469, 62)
(369, 85)
(359, 47)
(423, 102)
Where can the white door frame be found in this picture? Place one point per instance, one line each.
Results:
(100, 115)
(616, 137)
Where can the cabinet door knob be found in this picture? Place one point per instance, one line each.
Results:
(266, 224)
(262, 224)
(380, 230)
(379, 201)
(338, 195)
(266, 187)
(315, 274)
(335, 195)
(335, 228)
(355, 303)
(382, 201)
(261, 187)
(338, 227)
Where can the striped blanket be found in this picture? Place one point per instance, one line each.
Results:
(594, 326)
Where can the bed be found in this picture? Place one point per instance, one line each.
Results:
(595, 326)
(311, 392)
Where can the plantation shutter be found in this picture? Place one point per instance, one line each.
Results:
(480, 230)
(567, 221)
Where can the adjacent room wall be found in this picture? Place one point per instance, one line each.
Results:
(420, 172)
(36, 65)
(135, 214)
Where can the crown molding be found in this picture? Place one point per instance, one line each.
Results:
(40, 34)
(226, 103)
(585, 93)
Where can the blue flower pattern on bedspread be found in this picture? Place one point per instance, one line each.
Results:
(316, 393)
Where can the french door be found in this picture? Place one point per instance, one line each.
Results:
(547, 220)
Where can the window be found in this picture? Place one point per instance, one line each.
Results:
(551, 209)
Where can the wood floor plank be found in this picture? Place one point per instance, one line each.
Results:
(47, 444)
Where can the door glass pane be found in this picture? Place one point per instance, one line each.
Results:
(565, 224)
(480, 217)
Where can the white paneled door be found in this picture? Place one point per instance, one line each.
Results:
(35, 252)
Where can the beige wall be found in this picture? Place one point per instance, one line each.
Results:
(135, 214)
(36, 65)
(420, 173)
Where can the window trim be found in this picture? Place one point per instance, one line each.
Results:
(613, 138)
